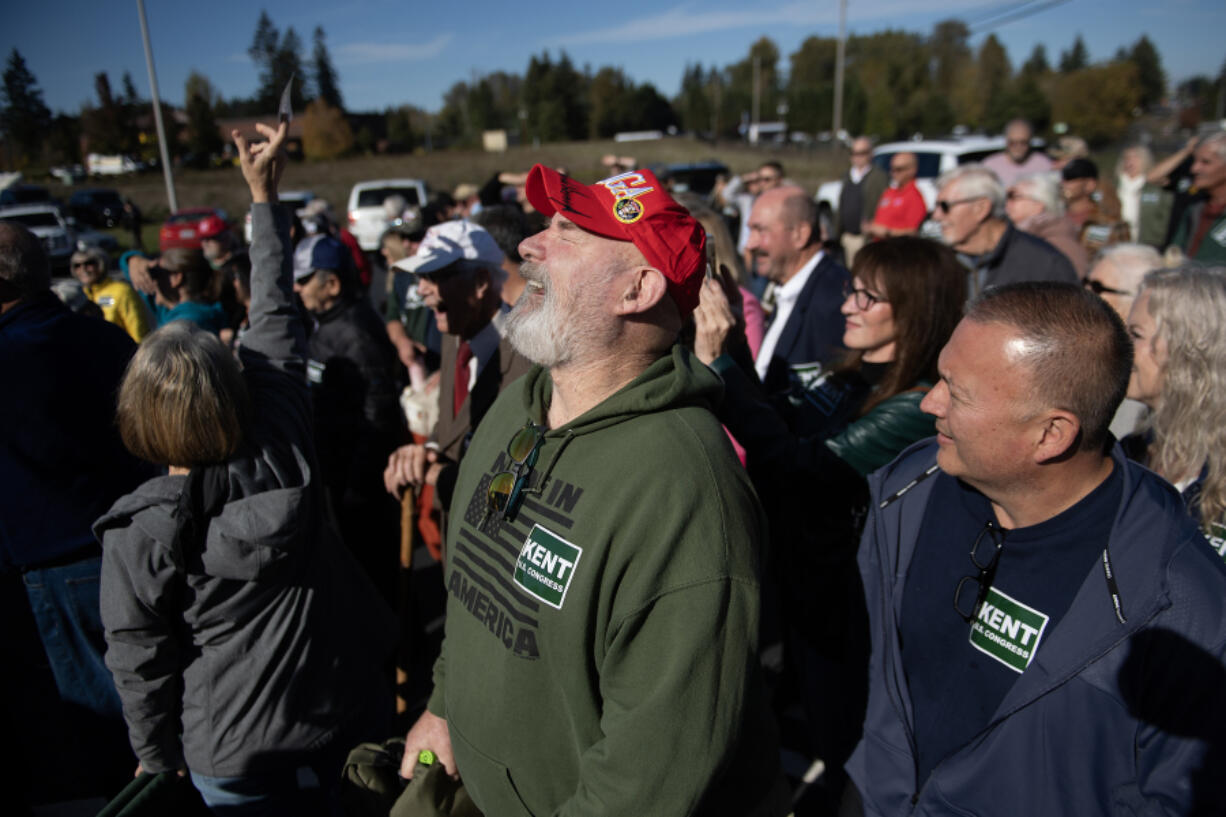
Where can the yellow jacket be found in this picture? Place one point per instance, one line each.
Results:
(122, 306)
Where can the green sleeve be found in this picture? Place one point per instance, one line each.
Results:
(881, 435)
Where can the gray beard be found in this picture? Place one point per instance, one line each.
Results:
(542, 334)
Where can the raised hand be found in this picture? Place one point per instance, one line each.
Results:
(263, 162)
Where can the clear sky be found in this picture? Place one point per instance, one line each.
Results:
(391, 53)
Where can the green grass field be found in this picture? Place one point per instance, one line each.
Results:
(443, 170)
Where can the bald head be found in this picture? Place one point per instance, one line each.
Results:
(24, 269)
(783, 232)
(903, 168)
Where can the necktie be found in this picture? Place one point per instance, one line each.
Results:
(463, 355)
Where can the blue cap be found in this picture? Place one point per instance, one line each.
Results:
(320, 252)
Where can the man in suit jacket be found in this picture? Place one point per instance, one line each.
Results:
(458, 267)
(786, 244)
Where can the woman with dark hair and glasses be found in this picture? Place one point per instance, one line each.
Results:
(809, 452)
(906, 297)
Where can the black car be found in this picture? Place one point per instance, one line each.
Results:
(695, 177)
(24, 194)
(97, 207)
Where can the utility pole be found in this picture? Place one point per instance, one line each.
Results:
(157, 110)
(840, 55)
(757, 95)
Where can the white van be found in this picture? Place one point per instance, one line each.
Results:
(367, 219)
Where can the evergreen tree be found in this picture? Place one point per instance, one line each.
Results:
(1036, 65)
(279, 57)
(24, 117)
(203, 137)
(108, 126)
(324, 72)
(1075, 58)
(1149, 71)
(130, 96)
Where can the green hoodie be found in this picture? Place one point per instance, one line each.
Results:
(601, 648)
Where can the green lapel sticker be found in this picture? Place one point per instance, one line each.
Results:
(545, 566)
(1008, 630)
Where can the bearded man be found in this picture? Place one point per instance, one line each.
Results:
(602, 570)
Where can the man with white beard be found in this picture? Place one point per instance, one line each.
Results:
(602, 572)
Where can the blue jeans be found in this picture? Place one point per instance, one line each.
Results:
(65, 604)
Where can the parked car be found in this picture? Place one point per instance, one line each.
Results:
(48, 223)
(293, 199)
(24, 194)
(69, 174)
(87, 236)
(934, 157)
(115, 165)
(367, 220)
(183, 227)
(694, 177)
(96, 206)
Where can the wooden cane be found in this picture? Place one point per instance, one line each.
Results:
(408, 507)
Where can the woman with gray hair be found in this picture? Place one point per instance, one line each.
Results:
(1178, 328)
(1035, 206)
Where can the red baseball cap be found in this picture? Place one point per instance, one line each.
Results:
(211, 226)
(633, 207)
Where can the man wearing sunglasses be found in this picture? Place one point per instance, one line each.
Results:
(1047, 625)
(970, 208)
(602, 579)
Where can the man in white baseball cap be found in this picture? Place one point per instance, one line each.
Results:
(459, 275)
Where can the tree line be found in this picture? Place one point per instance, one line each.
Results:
(898, 83)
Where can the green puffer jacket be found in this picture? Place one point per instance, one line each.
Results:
(877, 438)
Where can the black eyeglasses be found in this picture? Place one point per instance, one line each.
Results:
(863, 298)
(80, 264)
(1098, 287)
(945, 206)
(985, 554)
(507, 487)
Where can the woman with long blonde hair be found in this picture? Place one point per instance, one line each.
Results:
(1178, 327)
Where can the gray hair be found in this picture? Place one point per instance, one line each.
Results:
(1043, 188)
(1217, 141)
(1188, 305)
(1132, 260)
(976, 182)
(23, 261)
(1147, 158)
(92, 254)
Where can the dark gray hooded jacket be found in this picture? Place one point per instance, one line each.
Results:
(244, 646)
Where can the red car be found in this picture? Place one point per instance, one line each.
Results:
(185, 228)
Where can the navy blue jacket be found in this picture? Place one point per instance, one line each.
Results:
(1111, 717)
(814, 331)
(61, 461)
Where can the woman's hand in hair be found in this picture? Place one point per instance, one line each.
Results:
(263, 162)
(714, 322)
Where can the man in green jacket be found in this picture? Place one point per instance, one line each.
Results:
(1202, 230)
(602, 570)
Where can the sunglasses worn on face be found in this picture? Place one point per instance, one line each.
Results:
(81, 264)
(985, 555)
(1098, 288)
(946, 206)
(507, 487)
(863, 298)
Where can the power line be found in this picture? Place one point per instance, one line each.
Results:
(1018, 15)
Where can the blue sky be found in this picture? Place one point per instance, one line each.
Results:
(392, 53)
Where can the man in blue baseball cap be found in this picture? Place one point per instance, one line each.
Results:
(358, 422)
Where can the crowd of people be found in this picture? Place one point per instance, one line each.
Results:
(970, 488)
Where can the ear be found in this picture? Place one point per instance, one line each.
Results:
(332, 286)
(801, 233)
(1059, 434)
(481, 283)
(645, 287)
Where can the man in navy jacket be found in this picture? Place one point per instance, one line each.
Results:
(807, 327)
(1047, 625)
